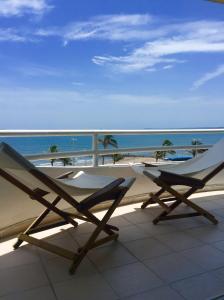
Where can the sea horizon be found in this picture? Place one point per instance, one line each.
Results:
(41, 145)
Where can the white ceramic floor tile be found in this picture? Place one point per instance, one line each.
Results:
(114, 255)
(138, 217)
(43, 293)
(207, 257)
(188, 223)
(147, 248)
(131, 233)
(24, 255)
(161, 293)
(92, 287)
(179, 240)
(119, 221)
(22, 278)
(81, 239)
(219, 245)
(218, 273)
(58, 269)
(173, 267)
(200, 287)
(154, 230)
(207, 234)
(131, 279)
(82, 228)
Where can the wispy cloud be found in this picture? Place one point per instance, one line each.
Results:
(10, 8)
(162, 40)
(191, 37)
(77, 83)
(167, 67)
(209, 76)
(106, 27)
(10, 34)
(135, 61)
(155, 44)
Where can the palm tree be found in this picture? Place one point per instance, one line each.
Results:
(66, 161)
(162, 154)
(195, 150)
(108, 140)
(117, 157)
(53, 149)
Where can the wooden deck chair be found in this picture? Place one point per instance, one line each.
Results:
(193, 174)
(24, 175)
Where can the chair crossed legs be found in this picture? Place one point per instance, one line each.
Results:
(114, 191)
(166, 181)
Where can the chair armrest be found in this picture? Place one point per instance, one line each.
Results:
(64, 175)
(109, 192)
(176, 179)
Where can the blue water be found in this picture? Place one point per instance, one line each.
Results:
(37, 145)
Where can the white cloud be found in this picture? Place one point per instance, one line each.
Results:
(10, 34)
(135, 61)
(209, 76)
(77, 83)
(167, 67)
(105, 27)
(10, 8)
(191, 37)
(155, 44)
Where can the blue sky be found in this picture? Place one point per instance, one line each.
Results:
(111, 64)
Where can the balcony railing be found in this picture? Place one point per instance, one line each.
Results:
(95, 152)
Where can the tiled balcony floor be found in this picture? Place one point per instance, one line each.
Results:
(179, 259)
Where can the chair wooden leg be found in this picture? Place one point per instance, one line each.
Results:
(151, 199)
(93, 219)
(91, 243)
(201, 211)
(48, 247)
(183, 198)
(37, 222)
(166, 212)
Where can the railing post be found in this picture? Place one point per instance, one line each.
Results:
(95, 149)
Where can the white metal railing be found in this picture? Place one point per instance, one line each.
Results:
(95, 152)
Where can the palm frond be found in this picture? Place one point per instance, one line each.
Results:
(113, 143)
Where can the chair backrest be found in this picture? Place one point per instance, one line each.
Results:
(19, 167)
(11, 159)
(207, 160)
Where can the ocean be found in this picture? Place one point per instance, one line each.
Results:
(38, 145)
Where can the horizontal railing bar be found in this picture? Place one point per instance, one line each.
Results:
(31, 133)
(58, 155)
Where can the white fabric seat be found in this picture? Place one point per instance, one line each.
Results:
(81, 184)
(82, 180)
(204, 162)
(192, 175)
(22, 174)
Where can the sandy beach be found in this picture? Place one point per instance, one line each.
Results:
(137, 159)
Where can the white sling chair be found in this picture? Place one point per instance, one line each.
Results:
(25, 176)
(194, 173)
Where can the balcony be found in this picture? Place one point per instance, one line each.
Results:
(176, 259)
(182, 259)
